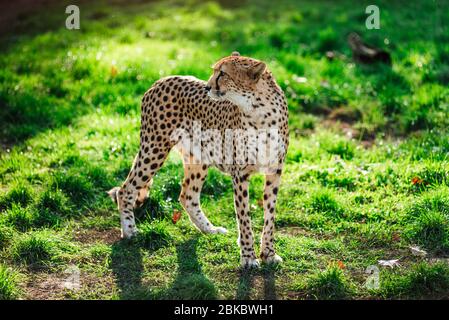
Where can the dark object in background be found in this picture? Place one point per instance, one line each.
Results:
(364, 53)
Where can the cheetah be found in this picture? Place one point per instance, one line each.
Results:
(241, 95)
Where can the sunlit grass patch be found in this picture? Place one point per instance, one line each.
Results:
(432, 175)
(429, 220)
(330, 284)
(76, 186)
(40, 249)
(216, 183)
(100, 252)
(421, 281)
(437, 199)
(324, 201)
(19, 217)
(154, 234)
(9, 284)
(47, 210)
(55, 202)
(376, 234)
(344, 149)
(19, 194)
(46, 218)
(6, 234)
(34, 250)
(431, 230)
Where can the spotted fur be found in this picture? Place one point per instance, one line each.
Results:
(241, 94)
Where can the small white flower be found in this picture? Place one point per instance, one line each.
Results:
(417, 251)
(389, 263)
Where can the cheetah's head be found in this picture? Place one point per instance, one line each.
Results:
(236, 79)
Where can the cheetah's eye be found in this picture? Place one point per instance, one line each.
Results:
(222, 73)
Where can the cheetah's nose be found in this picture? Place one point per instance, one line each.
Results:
(208, 88)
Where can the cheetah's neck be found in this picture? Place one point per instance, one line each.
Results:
(266, 107)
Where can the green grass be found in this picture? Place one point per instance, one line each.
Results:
(421, 281)
(18, 194)
(366, 174)
(429, 221)
(19, 217)
(41, 250)
(9, 288)
(33, 250)
(6, 234)
(330, 284)
(154, 234)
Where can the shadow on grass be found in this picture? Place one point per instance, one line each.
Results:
(190, 282)
(127, 266)
(127, 262)
(269, 284)
(247, 282)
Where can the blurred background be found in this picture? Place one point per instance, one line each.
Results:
(366, 177)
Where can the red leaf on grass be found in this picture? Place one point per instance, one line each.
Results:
(176, 216)
(340, 265)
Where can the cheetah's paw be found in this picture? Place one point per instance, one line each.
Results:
(274, 259)
(217, 230)
(129, 233)
(249, 263)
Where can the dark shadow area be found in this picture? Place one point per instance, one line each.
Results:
(247, 283)
(126, 263)
(190, 283)
(14, 15)
(269, 283)
(25, 17)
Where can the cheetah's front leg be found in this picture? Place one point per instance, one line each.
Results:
(247, 255)
(267, 252)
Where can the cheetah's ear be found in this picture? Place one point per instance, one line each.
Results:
(235, 54)
(256, 71)
(113, 194)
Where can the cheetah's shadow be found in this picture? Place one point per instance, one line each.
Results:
(247, 282)
(190, 282)
(127, 267)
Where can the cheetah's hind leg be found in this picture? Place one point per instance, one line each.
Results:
(194, 176)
